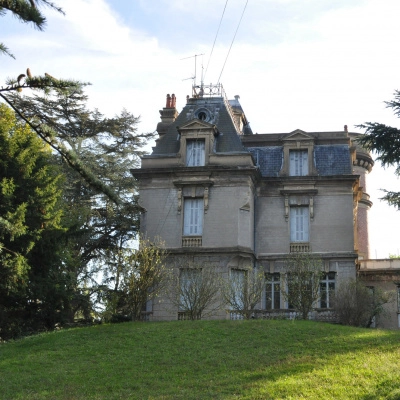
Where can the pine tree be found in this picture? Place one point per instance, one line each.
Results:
(29, 204)
(385, 141)
(26, 11)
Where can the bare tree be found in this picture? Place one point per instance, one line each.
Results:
(243, 290)
(141, 275)
(302, 280)
(195, 289)
(358, 305)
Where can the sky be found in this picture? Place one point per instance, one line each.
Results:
(314, 65)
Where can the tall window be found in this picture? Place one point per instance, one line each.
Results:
(398, 298)
(195, 156)
(299, 224)
(190, 283)
(237, 283)
(298, 165)
(327, 290)
(193, 217)
(272, 291)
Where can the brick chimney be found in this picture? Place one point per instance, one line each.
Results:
(168, 115)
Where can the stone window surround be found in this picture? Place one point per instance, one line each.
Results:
(301, 197)
(298, 143)
(206, 133)
(192, 189)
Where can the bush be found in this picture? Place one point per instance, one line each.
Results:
(357, 304)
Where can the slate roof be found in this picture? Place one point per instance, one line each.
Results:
(329, 159)
(332, 160)
(268, 159)
(227, 141)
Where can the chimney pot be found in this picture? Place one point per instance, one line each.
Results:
(168, 105)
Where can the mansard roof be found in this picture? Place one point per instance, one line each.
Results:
(216, 111)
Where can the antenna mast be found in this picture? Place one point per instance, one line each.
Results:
(195, 70)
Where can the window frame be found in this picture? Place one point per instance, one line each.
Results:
(325, 286)
(187, 278)
(298, 162)
(272, 280)
(299, 224)
(193, 216)
(195, 152)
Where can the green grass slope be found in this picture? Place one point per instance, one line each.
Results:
(204, 360)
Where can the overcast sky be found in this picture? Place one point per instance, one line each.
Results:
(314, 65)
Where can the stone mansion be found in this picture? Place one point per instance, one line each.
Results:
(223, 196)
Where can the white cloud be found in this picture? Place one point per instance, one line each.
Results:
(311, 65)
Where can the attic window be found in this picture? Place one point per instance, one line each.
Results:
(298, 162)
(203, 114)
(195, 156)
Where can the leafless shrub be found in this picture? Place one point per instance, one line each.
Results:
(194, 291)
(357, 304)
(302, 280)
(243, 290)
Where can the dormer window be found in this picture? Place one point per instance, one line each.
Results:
(195, 153)
(298, 162)
(298, 148)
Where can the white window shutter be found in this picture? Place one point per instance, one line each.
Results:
(299, 224)
(305, 223)
(298, 162)
(304, 163)
(193, 217)
(292, 163)
(195, 153)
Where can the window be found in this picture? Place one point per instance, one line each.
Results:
(299, 222)
(398, 299)
(327, 290)
(237, 287)
(298, 162)
(193, 217)
(195, 156)
(190, 283)
(272, 291)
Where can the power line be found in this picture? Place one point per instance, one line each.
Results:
(220, 22)
(244, 9)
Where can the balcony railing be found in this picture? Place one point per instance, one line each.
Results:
(300, 247)
(323, 315)
(192, 241)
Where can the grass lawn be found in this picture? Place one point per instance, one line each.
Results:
(204, 360)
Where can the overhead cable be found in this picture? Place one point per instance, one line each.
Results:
(219, 26)
(244, 9)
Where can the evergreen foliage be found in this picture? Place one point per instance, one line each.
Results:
(385, 141)
(30, 192)
(26, 11)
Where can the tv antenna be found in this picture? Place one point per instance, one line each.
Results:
(195, 69)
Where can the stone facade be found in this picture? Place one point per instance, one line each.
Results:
(384, 275)
(219, 194)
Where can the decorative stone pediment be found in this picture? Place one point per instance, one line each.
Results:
(298, 140)
(297, 135)
(196, 125)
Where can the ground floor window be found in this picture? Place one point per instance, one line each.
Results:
(398, 299)
(327, 290)
(272, 291)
